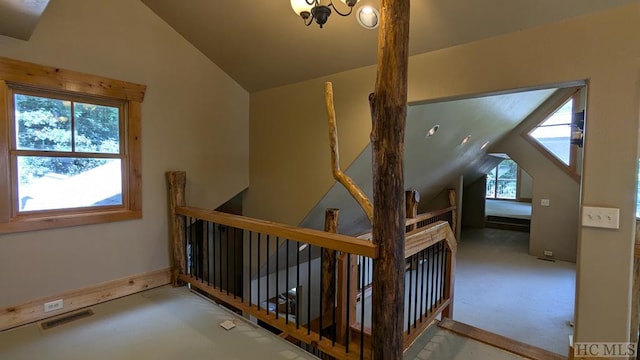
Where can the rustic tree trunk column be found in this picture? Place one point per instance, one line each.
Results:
(388, 112)
(176, 181)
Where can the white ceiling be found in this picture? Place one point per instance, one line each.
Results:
(263, 44)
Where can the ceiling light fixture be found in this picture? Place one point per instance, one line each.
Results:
(433, 130)
(465, 140)
(484, 145)
(310, 10)
(368, 17)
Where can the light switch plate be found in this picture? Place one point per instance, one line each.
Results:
(544, 202)
(601, 217)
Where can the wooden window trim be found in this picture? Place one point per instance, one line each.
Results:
(46, 78)
(543, 112)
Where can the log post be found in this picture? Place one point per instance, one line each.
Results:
(329, 265)
(388, 112)
(454, 213)
(449, 281)
(411, 200)
(176, 181)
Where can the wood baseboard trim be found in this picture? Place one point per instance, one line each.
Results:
(499, 341)
(32, 311)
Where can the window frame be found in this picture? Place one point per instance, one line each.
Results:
(70, 85)
(551, 107)
(495, 181)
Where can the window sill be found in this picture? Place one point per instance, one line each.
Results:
(34, 223)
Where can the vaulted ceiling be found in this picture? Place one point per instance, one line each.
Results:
(263, 44)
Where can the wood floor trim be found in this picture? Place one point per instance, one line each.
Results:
(499, 341)
(32, 311)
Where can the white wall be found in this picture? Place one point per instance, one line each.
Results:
(194, 118)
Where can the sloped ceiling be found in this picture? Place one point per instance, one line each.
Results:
(263, 44)
(18, 18)
(436, 162)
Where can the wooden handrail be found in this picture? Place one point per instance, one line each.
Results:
(427, 236)
(318, 238)
(428, 215)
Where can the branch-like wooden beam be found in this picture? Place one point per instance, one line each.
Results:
(342, 178)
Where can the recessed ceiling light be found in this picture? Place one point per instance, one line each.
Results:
(465, 140)
(368, 17)
(433, 130)
(302, 247)
(484, 145)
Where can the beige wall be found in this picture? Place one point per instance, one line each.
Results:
(289, 164)
(194, 118)
(554, 227)
(525, 185)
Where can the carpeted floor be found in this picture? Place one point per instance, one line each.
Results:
(500, 288)
(159, 324)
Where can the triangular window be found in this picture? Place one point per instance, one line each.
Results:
(554, 133)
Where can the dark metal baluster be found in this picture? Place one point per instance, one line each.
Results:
(228, 256)
(439, 273)
(268, 271)
(235, 262)
(422, 279)
(433, 278)
(415, 300)
(444, 270)
(363, 262)
(309, 289)
(277, 277)
(287, 280)
(259, 246)
(213, 250)
(297, 284)
(250, 264)
(333, 286)
(207, 225)
(348, 275)
(409, 297)
(187, 249)
(222, 228)
(322, 250)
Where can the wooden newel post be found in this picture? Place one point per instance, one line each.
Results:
(329, 264)
(454, 213)
(388, 113)
(176, 181)
(411, 200)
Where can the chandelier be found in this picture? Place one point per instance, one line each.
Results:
(310, 10)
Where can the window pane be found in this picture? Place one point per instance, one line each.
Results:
(557, 142)
(42, 123)
(507, 179)
(554, 134)
(97, 128)
(46, 183)
(491, 183)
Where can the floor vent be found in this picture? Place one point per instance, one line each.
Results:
(46, 325)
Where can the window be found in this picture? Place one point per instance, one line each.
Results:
(502, 181)
(70, 145)
(554, 133)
